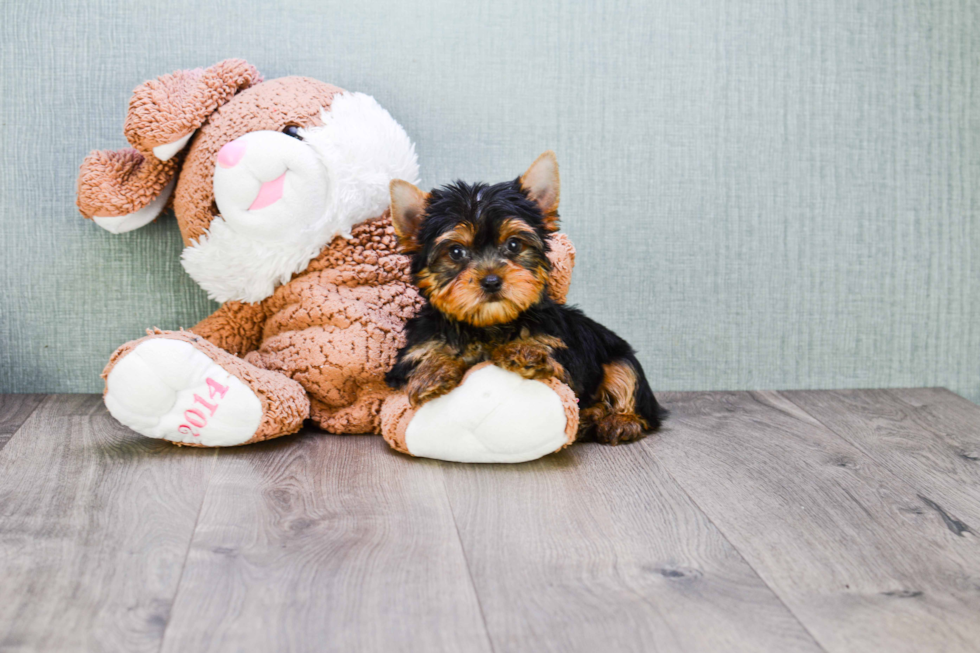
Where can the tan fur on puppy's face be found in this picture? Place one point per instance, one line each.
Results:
(465, 300)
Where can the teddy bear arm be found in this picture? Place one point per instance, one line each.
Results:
(235, 327)
(562, 257)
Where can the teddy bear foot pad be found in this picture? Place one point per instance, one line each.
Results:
(166, 388)
(494, 416)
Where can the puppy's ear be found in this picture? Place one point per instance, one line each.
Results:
(542, 186)
(407, 210)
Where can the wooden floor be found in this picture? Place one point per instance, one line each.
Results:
(790, 521)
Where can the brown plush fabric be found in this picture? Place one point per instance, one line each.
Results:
(321, 344)
(236, 327)
(117, 183)
(570, 403)
(337, 327)
(168, 108)
(562, 257)
(396, 414)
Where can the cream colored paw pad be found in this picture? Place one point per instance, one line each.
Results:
(168, 389)
(495, 416)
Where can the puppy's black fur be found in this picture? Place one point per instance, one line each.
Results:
(461, 235)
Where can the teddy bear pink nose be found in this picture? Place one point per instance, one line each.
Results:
(231, 154)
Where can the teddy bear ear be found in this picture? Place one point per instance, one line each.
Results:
(164, 112)
(126, 189)
(122, 190)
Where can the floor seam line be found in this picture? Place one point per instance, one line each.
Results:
(466, 561)
(24, 423)
(741, 555)
(187, 554)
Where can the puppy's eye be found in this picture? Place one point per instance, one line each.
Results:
(458, 253)
(513, 245)
(292, 130)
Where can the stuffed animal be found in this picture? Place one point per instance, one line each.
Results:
(280, 191)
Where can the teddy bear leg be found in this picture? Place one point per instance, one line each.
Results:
(177, 386)
(494, 416)
(360, 417)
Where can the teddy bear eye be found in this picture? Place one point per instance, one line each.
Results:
(514, 245)
(292, 130)
(457, 253)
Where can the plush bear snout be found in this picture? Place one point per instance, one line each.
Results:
(266, 182)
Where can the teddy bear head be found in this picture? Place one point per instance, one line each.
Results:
(261, 174)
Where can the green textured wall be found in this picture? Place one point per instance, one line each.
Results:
(764, 194)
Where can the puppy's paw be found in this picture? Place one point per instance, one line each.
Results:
(618, 428)
(530, 360)
(433, 379)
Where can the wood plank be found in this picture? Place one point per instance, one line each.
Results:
(95, 523)
(74, 405)
(327, 543)
(597, 548)
(929, 437)
(14, 411)
(850, 548)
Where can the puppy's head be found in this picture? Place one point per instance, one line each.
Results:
(479, 252)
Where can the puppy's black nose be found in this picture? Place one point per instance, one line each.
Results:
(492, 283)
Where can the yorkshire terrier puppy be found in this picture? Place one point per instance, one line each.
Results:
(479, 256)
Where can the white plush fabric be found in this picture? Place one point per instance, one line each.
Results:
(166, 151)
(123, 223)
(153, 386)
(495, 416)
(364, 148)
(336, 177)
